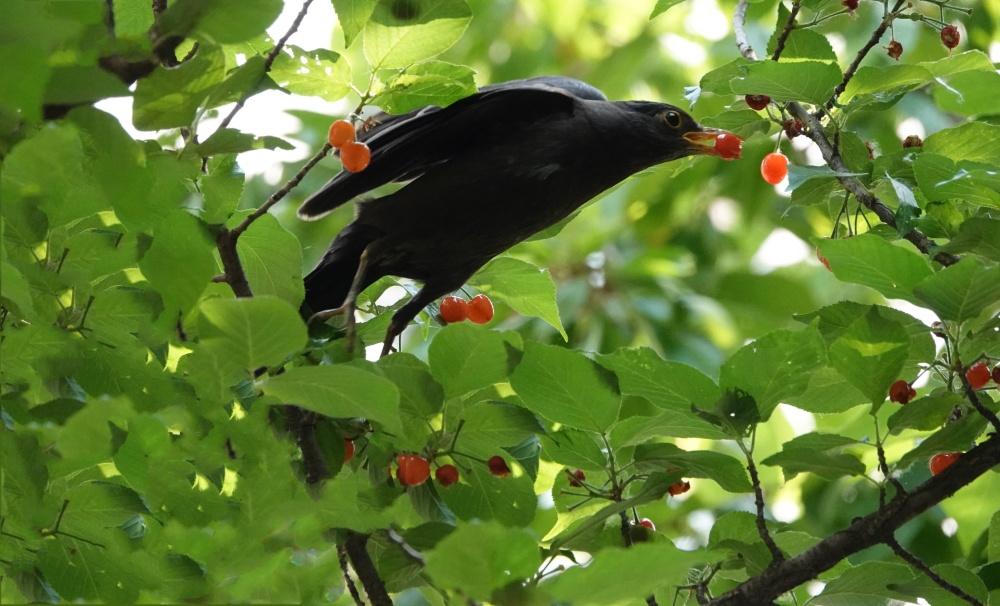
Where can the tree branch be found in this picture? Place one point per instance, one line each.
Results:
(779, 46)
(863, 533)
(776, 555)
(875, 37)
(357, 550)
(919, 564)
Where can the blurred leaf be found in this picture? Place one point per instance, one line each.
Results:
(865, 585)
(179, 263)
(797, 175)
(980, 235)
(971, 93)
(478, 558)
(232, 141)
(168, 98)
(353, 15)
(662, 6)
(499, 424)
(254, 332)
(464, 358)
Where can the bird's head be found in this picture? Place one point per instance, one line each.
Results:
(679, 135)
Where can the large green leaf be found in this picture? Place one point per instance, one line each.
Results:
(353, 15)
(179, 263)
(962, 291)
(975, 141)
(260, 331)
(810, 81)
(821, 454)
(479, 558)
(873, 262)
(464, 358)
(724, 470)
(870, 354)
(316, 73)
(865, 585)
(426, 83)
(272, 259)
(402, 32)
(527, 289)
(339, 391)
(565, 387)
(669, 385)
(169, 98)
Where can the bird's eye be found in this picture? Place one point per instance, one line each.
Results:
(672, 118)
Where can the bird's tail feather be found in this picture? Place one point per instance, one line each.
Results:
(329, 282)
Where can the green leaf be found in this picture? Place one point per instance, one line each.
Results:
(662, 6)
(953, 437)
(926, 588)
(743, 122)
(924, 414)
(427, 83)
(339, 391)
(961, 291)
(813, 191)
(941, 179)
(574, 448)
(480, 495)
(722, 469)
(317, 73)
(797, 175)
(404, 32)
(873, 262)
(499, 424)
(908, 210)
(974, 141)
(478, 558)
(864, 585)
(670, 385)
(979, 235)
(804, 44)
(241, 83)
(774, 367)
(464, 358)
(720, 79)
(353, 15)
(870, 354)
(527, 289)
(272, 260)
(600, 582)
(232, 141)
(810, 81)
(671, 423)
(959, 62)
(74, 84)
(222, 188)
(821, 454)
(221, 21)
(169, 98)
(179, 263)
(254, 332)
(971, 93)
(565, 387)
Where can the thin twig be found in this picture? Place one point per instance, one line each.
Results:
(351, 587)
(884, 468)
(875, 37)
(789, 26)
(973, 397)
(919, 564)
(776, 555)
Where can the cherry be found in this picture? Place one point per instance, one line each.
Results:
(793, 128)
(728, 146)
(348, 450)
(940, 462)
(823, 260)
(454, 309)
(901, 392)
(774, 168)
(341, 133)
(852, 5)
(996, 374)
(647, 523)
(498, 466)
(480, 309)
(446, 475)
(757, 102)
(576, 477)
(678, 488)
(950, 36)
(912, 141)
(355, 156)
(978, 375)
(413, 470)
(937, 329)
(894, 50)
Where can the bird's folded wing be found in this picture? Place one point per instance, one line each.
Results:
(404, 147)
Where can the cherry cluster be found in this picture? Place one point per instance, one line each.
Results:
(478, 310)
(414, 470)
(354, 155)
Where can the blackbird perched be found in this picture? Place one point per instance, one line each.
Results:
(483, 174)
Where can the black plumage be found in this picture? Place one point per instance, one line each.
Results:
(484, 173)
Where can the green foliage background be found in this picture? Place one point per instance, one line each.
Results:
(143, 460)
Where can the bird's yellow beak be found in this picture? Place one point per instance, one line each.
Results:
(714, 142)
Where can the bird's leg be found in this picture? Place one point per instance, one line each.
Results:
(349, 305)
(407, 312)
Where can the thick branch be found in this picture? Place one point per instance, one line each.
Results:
(357, 550)
(863, 533)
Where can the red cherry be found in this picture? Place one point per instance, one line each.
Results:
(978, 375)
(912, 141)
(793, 128)
(355, 156)
(647, 523)
(454, 309)
(940, 462)
(480, 309)
(894, 50)
(413, 470)
(937, 329)
(757, 102)
(341, 133)
(950, 36)
(446, 475)
(774, 168)
(678, 488)
(901, 392)
(576, 477)
(823, 260)
(348, 450)
(728, 146)
(852, 5)
(996, 374)
(498, 466)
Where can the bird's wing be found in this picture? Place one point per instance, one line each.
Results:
(404, 147)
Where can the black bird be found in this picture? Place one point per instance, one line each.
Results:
(484, 173)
